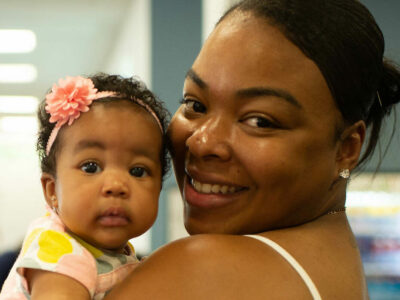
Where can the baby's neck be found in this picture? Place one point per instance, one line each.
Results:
(96, 250)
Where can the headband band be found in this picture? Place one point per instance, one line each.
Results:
(71, 97)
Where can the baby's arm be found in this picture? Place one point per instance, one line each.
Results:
(45, 285)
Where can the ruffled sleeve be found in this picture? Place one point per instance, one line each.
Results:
(56, 251)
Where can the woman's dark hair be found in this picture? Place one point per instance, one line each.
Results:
(126, 88)
(343, 39)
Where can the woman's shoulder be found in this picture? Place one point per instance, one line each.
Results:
(220, 266)
(209, 250)
(213, 266)
(211, 243)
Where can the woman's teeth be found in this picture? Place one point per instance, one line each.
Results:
(207, 188)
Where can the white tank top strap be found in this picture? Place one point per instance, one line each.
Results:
(293, 262)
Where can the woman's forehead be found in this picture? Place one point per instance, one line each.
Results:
(245, 52)
(252, 46)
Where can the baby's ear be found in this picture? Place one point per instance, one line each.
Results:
(350, 146)
(49, 189)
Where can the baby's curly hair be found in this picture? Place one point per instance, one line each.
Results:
(126, 88)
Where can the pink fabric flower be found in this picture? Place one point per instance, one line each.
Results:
(69, 98)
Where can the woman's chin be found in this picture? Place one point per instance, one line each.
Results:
(200, 226)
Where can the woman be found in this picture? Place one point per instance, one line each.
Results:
(274, 114)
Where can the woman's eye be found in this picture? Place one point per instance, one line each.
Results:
(91, 167)
(138, 172)
(194, 106)
(259, 122)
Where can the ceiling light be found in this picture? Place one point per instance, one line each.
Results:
(18, 104)
(18, 124)
(17, 73)
(17, 41)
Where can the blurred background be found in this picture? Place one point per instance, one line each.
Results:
(156, 40)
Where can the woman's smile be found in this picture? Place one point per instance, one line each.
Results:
(211, 188)
(205, 190)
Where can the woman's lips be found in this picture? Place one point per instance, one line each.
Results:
(208, 195)
(113, 217)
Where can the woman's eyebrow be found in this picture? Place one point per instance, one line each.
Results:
(196, 79)
(250, 92)
(267, 91)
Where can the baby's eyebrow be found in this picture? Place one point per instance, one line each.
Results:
(84, 144)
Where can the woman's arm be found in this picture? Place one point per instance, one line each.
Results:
(45, 285)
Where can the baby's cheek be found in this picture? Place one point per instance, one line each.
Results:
(147, 216)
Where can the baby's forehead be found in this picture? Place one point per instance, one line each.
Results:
(126, 103)
(117, 125)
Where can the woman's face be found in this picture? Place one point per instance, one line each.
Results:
(254, 140)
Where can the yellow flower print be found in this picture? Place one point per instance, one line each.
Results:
(53, 245)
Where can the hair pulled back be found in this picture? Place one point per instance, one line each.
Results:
(126, 88)
(345, 42)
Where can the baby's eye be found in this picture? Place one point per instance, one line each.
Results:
(138, 172)
(193, 106)
(90, 167)
(259, 122)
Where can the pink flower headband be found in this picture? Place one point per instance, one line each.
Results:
(72, 96)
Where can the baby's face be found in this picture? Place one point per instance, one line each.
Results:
(109, 174)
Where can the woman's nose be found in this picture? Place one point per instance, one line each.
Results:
(210, 140)
(115, 185)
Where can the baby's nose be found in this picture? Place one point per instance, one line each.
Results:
(115, 185)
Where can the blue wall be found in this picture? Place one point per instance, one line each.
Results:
(176, 40)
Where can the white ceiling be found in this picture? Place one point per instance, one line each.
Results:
(74, 37)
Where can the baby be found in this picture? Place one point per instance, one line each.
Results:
(103, 156)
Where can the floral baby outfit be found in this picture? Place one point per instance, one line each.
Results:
(47, 246)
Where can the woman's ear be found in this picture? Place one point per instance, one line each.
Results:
(350, 146)
(49, 190)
